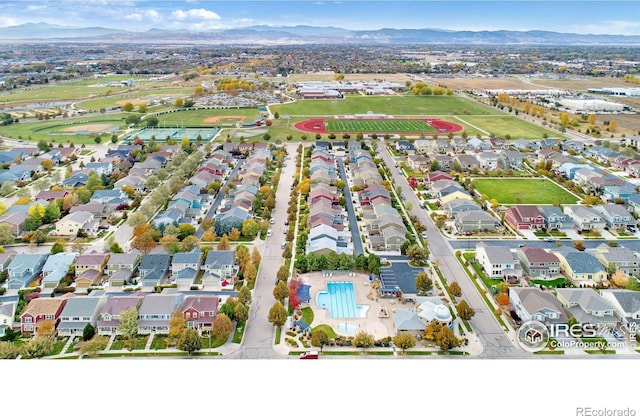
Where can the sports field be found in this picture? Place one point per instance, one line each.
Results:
(509, 191)
(377, 125)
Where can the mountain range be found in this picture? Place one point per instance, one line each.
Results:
(300, 35)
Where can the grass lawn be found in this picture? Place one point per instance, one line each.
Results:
(327, 330)
(117, 345)
(140, 342)
(238, 333)
(552, 283)
(504, 124)
(307, 315)
(378, 126)
(524, 191)
(159, 342)
(398, 105)
(196, 118)
(550, 352)
(600, 351)
(58, 346)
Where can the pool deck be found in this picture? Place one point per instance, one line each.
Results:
(365, 296)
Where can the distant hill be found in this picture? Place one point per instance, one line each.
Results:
(292, 35)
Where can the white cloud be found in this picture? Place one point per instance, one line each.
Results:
(134, 16)
(33, 7)
(199, 14)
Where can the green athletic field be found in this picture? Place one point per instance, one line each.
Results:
(509, 191)
(380, 125)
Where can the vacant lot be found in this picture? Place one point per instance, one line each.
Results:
(513, 126)
(509, 191)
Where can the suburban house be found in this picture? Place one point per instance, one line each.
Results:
(185, 268)
(472, 221)
(72, 223)
(7, 312)
(219, 265)
(585, 218)
(618, 258)
(554, 218)
(55, 268)
(533, 304)
(538, 263)
(39, 310)
(458, 205)
(24, 269)
(51, 196)
(200, 310)
(80, 311)
(498, 262)
(626, 305)
(524, 217)
(156, 310)
(418, 163)
(15, 222)
(89, 268)
(616, 216)
(587, 306)
(153, 269)
(582, 268)
(120, 268)
(109, 319)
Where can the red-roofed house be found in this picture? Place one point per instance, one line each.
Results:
(525, 217)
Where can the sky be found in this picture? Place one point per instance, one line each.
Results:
(573, 16)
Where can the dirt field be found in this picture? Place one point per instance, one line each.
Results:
(224, 119)
(91, 128)
(483, 83)
(580, 84)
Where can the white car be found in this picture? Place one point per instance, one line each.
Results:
(272, 221)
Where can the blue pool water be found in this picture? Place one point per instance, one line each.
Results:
(340, 300)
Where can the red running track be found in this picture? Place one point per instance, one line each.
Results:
(316, 125)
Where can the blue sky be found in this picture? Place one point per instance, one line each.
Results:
(597, 17)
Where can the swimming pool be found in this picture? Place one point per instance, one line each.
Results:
(340, 300)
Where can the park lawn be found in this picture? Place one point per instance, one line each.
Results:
(501, 125)
(508, 191)
(163, 93)
(307, 315)
(406, 105)
(552, 283)
(327, 330)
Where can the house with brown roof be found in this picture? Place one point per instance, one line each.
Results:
(89, 268)
(51, 195)
(40, 310)
(525, 217)
(531, 303)
(538, 263)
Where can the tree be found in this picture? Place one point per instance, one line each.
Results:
(189, 341)
(281, 291)
(144, 242)
(88, 332)
(43, 146)
(278, 314)
(465, 311)
(591, 119)
(92, 346)
(189, 244)
(578, 245)
(36, 211)
(250, 228)
(224, 243)
(179, 102)
(57, 247)
(177, 324)
(9, 351)
(502, 299)
(363, 340)
(423, 283)
(319, 339)
(256, 258)
(241, 312)
(37, 347)
(115, 248)
(46, 328)
(446, 339)
(454, 289)
(47, 164)
(142, 108)
(417, 254)
(244, 295)
(222, 326)
(5, 235)
(51, 213)
(7, 188)
(249, 272)
(129, 322)
(127, 107)
(404, 340)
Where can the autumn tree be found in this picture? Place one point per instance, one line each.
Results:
(177, 324)
(417, 254)
(234, 234)
(404, 340)
(256, 258)
(363, 340)
(144, 242)
(454, 289)
(281, 291)
(446, 339)
(278, 314)
(319, 339)
(250, 273)
(46, 328)
(129, 323)
(250, 228)
(37, 347)
(241, 312)
(502, 298)
(423, 283)
(222, 326)
(93, 346)
(244, 295)
(578, 245)
(189, 340)
(224, 243)
(591, 119)
(465, 311)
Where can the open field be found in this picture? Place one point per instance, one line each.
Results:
(526, 191)
(196, 117)
(515, 127)
(483, 83)
(62, 130)
(149, 94)
(580, 84)
(377, 125)
(396, 105)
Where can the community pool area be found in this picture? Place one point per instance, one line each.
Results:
(340, 300)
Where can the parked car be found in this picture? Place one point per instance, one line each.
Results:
(549, 239)
(283, 245)
(272, 221)
(309, 355)
(269, 233)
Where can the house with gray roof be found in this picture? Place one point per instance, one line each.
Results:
(554, 218)
(219, 265)
(618, 258)
(153, 268)
(633, 204)
(583, 268)
(407, 320)
(471, 221)
(156, 310)
(185, 268)
(626, 305)
(458, 205)
(55, 268)
(616, 216)
(80, 311)
(7, 313)
(587, 306)
(498, 262)
(585, 218)
(533, 304)
(24, 268)
(5, 259)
